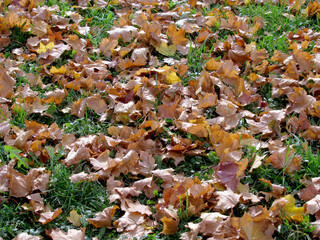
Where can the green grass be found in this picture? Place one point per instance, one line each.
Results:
(87, 198)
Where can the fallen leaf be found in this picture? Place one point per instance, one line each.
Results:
(166, 50)
(49, 216)
(71, 234)
(104, 218)
(170, 226)
(74, 218)
(44, 48)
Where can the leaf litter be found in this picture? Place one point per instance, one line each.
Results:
(139, 82)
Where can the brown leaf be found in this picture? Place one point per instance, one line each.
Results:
(75, 155)
(56, 96)
(97, 104)
(79, 107)
(6, 83)
(4, 178)
(299, 100)
(126, 32)
(104, 218)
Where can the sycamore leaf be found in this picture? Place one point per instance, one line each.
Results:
(167, 50)
(74, 218)
(43, 48)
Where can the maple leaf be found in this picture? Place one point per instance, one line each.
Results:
(173, 78)
(61, 70)
(313, 205)
(6, 83)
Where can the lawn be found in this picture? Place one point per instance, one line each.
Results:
(150, 120)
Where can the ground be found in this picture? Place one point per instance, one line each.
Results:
(159, 119)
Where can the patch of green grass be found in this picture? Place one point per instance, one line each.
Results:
(197, 58)
(310, 158)
(19, 114)
(87, 125)
(18, 39)
(64, 6)
(100, 21)
(199, 166)
(278, 24)
(87, 198)
(15, 219)
(294, 230)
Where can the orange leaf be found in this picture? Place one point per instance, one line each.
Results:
(170, 226)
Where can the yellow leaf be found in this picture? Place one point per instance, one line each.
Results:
(166, 50)
(43, 48)
(172, 78)
(76, 75)
(61, 70)
(74, 218)
(293, 212)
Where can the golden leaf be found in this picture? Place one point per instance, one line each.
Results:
(61, 70)
(172, 78)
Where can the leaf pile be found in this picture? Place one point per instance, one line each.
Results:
(175, 110)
